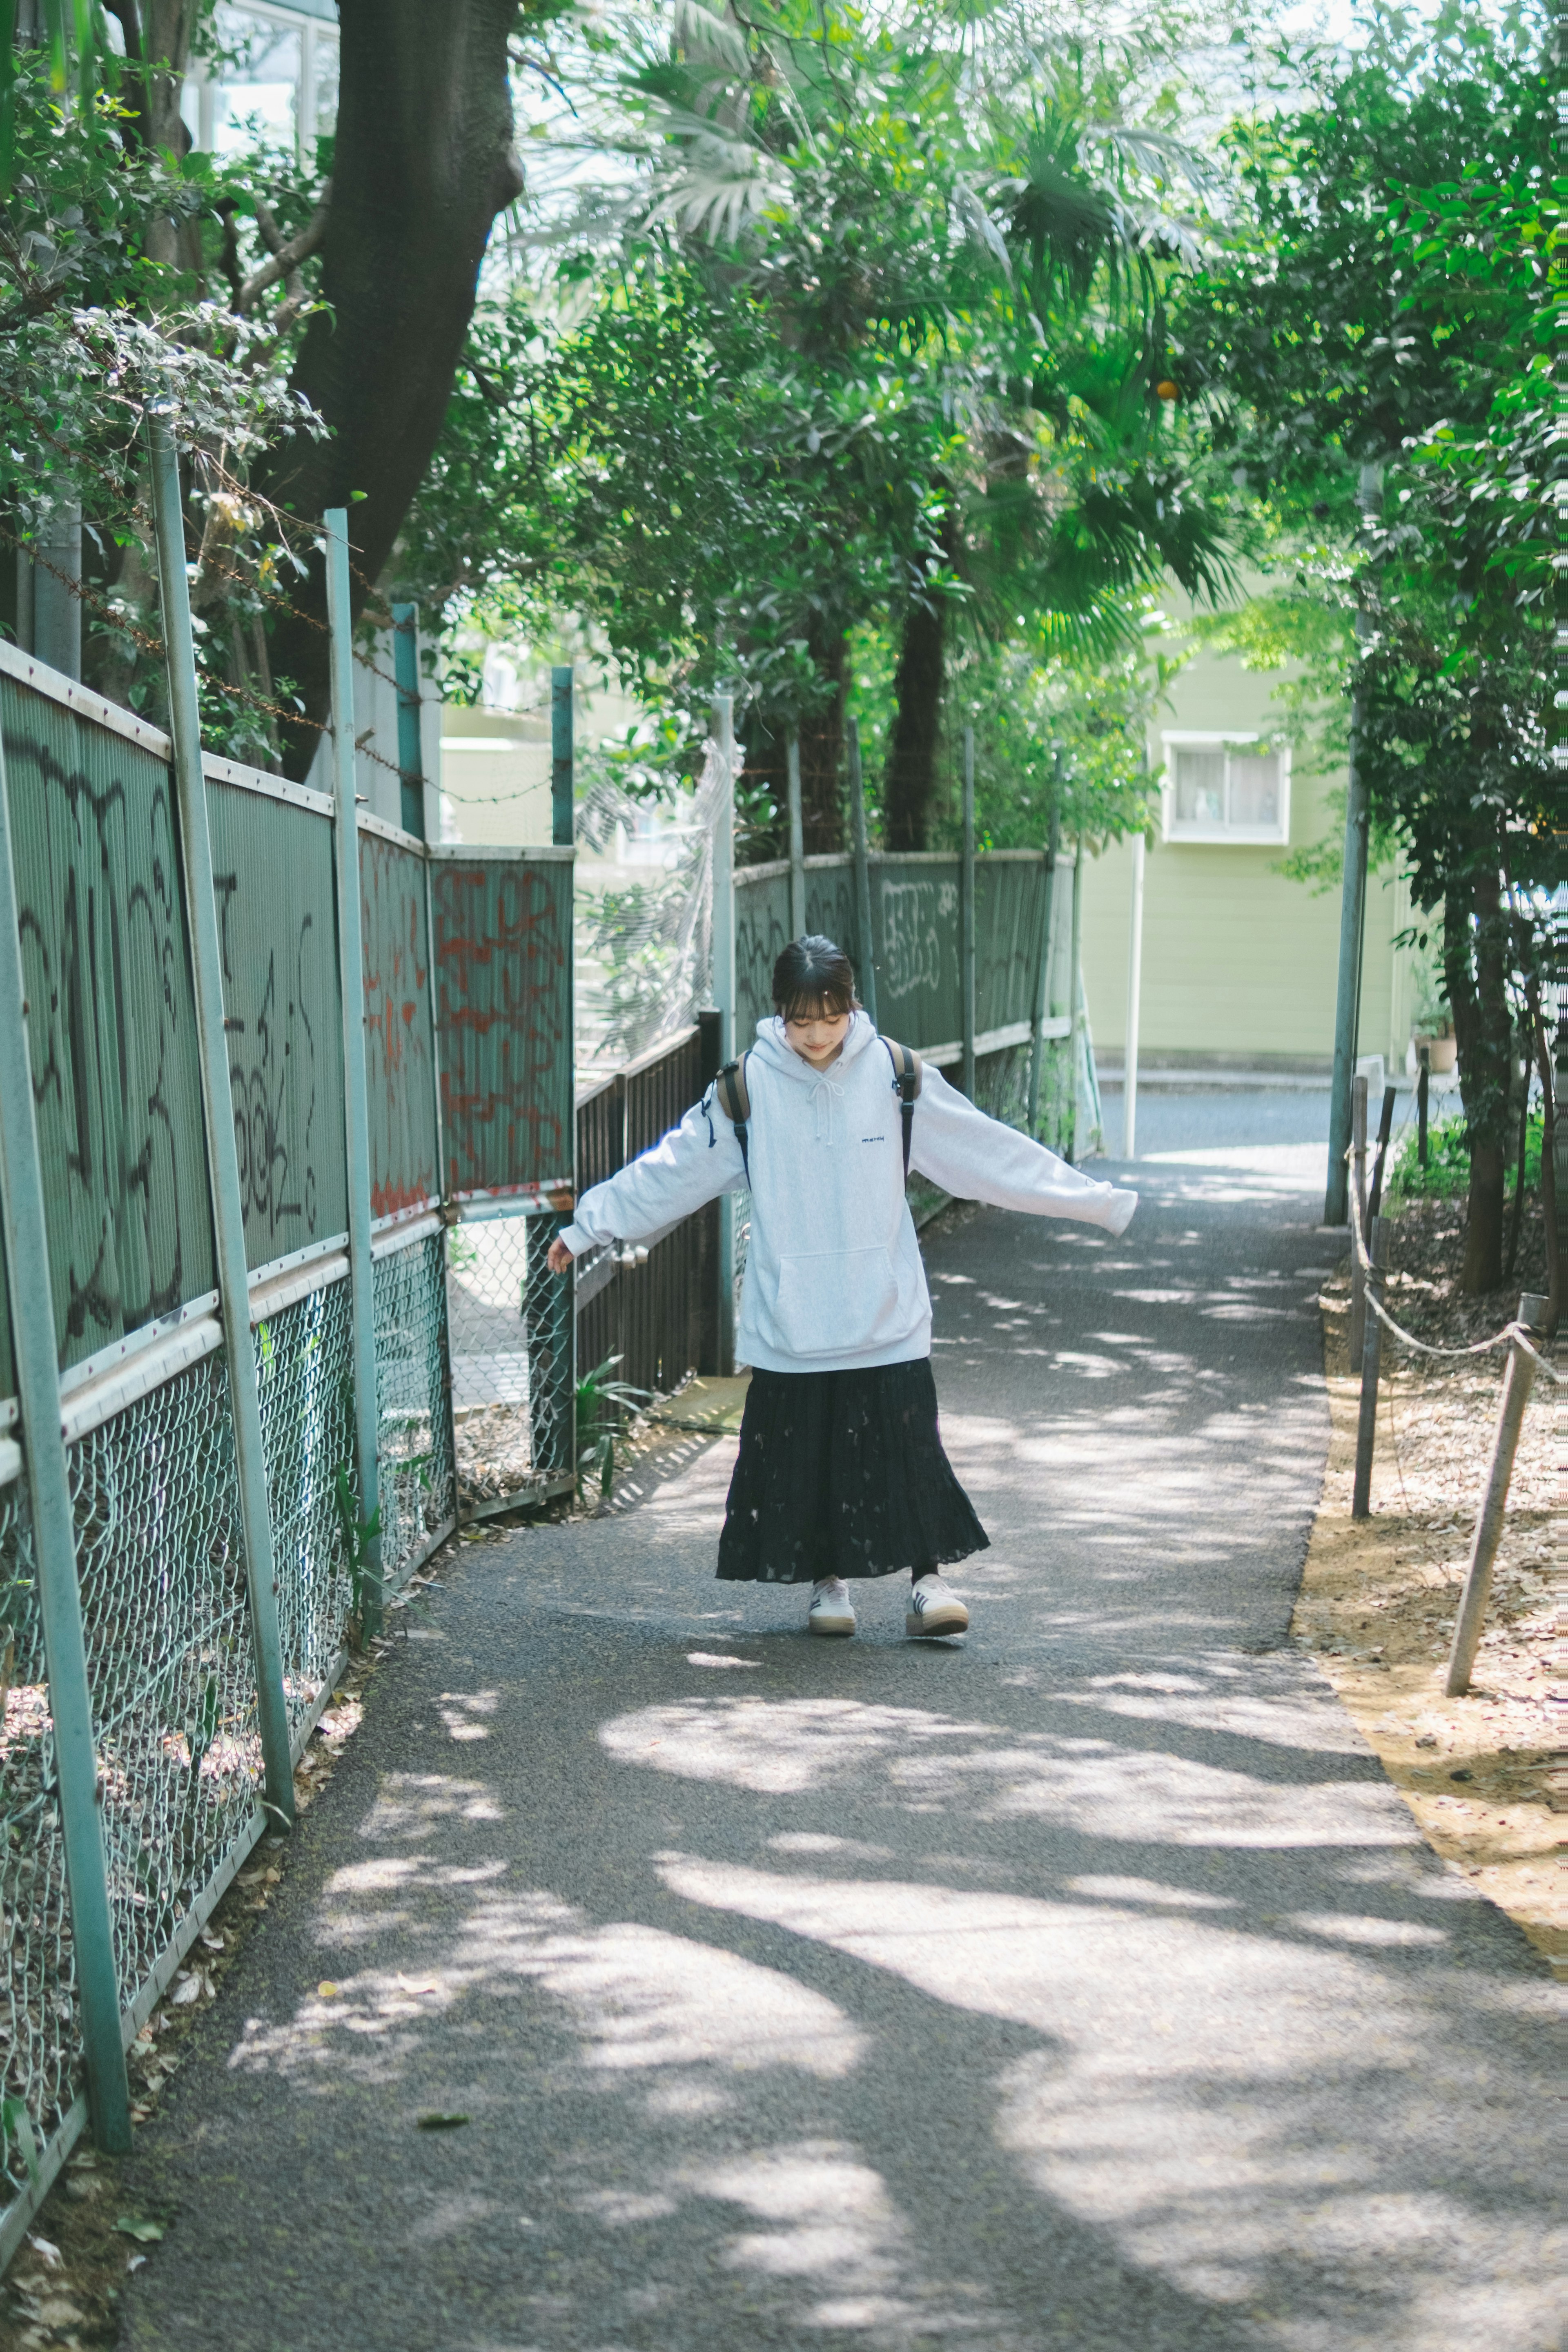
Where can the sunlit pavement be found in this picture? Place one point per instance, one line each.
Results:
(1079, 1985)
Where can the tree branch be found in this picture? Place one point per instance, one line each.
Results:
(285, 259)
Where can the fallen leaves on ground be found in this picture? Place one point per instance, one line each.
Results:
(1379, 1596)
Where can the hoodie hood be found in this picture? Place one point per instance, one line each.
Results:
(824, 1087)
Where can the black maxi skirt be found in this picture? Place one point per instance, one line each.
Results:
(842, 1473)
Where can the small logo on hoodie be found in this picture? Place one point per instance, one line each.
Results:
(873, 1138)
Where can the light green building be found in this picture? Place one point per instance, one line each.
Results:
(1239, 962)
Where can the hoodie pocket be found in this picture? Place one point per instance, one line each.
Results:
(841, 1303)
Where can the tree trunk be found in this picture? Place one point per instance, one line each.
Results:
(1475, 969)
(423, 163)
(821, 756)
(158, 36)
(909, 790)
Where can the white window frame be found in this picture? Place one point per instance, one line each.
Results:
(1216, 739)
(316, 34)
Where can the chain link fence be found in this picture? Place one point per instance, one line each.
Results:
(39, 2075)
(169, 1654)
(418, 1491)
(305, 1374)
(512, 1378)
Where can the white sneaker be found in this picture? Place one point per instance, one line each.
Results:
(831, 1611)
(935, 1607)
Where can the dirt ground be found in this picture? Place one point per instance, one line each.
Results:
(1482, 1774)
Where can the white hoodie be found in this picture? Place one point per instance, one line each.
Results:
(834, 1277)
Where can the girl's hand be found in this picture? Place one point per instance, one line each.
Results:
(560, 1256)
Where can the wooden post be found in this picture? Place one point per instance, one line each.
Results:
(1371, 1362)
(866, 945)
(966, 917)
(1423, 1089)
(1518, 1380)
(1134, 993)
(1385, 1129)
(1358, 1178)
(796, 841)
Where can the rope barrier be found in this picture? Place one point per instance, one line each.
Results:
(1514, 1333)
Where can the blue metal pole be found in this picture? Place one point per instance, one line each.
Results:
(350, 976)
(218, 1108)
(410, 752)
(53, 1537)
(561, 768)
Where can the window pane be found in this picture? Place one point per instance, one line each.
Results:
(1255, 788)
(258, 73)
(326, 93)
(1200, 787)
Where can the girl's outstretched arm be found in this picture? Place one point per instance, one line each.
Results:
(691, 1166)
(978, 1159)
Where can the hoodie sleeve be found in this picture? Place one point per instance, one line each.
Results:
(978, 1159)
(691, 1166)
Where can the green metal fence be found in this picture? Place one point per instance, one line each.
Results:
(914, 964)
(177, 1676)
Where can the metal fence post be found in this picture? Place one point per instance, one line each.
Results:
(796, 840)
(966, 918)
(563, 783)
(1074, 1005)
(410, 752)
(1518, 1380)
(54, 1534)
(1358, 1178)
(1371, 1364)
(1134, 1003)
(724, 994)
(1043, 975)
(356, 1111)
(218, 1111)
(866, 957)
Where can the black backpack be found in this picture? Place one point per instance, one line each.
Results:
(734, 1098)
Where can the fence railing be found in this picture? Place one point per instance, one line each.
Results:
(127, 1129)
(654, 1310)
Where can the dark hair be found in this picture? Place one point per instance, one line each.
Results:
(814, 979)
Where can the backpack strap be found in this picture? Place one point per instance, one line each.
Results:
(734, 1100)
(908, 1074)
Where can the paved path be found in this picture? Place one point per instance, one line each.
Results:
(1081, 1986)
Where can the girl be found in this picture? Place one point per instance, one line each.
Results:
(841, 1471)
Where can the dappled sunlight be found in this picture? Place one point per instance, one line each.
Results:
(1194, 2097)
(774, 1746)
(928, 1762)
(1223, 1694)
(830, 2224)
(640, 1998)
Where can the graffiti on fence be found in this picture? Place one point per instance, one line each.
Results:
(111, 1026)
(761, 932)
(503, 1018)
(283, 1028)
(400, 1075)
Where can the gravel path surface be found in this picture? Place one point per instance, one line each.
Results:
(1080, 1985)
